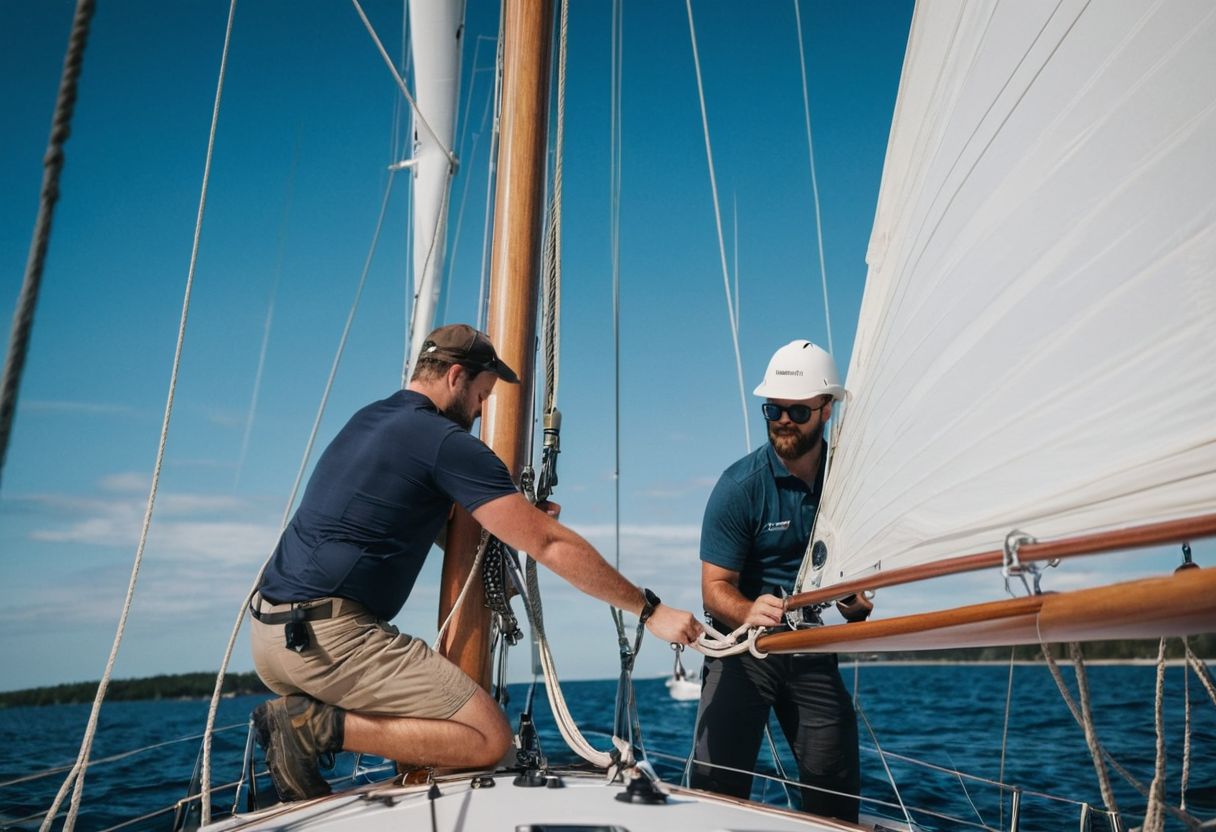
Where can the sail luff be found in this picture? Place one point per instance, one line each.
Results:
(514, 283)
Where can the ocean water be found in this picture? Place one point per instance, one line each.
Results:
(950, 716)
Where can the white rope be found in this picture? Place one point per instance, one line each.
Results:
(367, 24)
(810, 151)
(474, 573)
(1201, 671)
(553, 239)
(566, 725)
(717, 645)
(1095, 747)
(1154, 817)
(1091, 736)
(1186, 730)
(1174, 811)
(76, 775)
(713, 186)
(205, 785)
(1005, 731)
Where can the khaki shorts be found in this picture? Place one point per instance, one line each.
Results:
(358, 662)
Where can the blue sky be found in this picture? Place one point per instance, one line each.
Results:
(305, 135)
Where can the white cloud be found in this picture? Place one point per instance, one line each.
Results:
(49, 406)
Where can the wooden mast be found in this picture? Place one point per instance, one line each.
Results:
(514, 279)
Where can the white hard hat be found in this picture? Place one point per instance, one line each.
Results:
(800, 370)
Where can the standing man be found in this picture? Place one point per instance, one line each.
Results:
(345, 565)
(756, 528)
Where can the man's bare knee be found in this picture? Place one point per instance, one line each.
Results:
(483, 714)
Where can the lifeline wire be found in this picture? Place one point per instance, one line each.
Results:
(86, 744)
(61, 128)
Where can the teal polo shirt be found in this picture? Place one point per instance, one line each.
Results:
(758, 521)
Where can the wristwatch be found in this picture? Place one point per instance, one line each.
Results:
(652, 601)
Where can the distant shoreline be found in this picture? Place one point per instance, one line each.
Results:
(199, 685)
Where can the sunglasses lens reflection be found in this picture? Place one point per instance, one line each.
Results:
(799, 413)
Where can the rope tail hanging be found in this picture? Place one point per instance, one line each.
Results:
(52, 162)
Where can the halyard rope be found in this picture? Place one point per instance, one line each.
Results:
(553, 239)
(52, 162)
(76, 775)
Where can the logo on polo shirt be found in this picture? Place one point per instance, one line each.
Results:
(777, 526)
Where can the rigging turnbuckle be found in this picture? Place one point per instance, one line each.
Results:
(547, 481)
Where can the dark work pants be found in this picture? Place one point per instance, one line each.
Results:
(816, 716)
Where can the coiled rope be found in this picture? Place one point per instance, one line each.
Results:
(76, 775)
(52, 162)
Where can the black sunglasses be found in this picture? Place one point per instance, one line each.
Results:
(799, 414)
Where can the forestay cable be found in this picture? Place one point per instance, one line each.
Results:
(713, 186)
(810, 151)
(77, 773)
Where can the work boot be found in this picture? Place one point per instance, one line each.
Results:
(293, 731)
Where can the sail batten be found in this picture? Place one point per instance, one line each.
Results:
(1035, 340)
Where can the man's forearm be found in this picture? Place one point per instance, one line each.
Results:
(726, 603)
(578, 562)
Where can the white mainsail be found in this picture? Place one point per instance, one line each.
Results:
(1038, 332)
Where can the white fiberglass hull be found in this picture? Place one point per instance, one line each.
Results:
(585, 800)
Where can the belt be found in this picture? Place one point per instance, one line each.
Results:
(316, 613)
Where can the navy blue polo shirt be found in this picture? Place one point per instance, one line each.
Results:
(376, 501)
(758, 521)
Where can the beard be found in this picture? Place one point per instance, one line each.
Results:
(793, 442)
(461, 410)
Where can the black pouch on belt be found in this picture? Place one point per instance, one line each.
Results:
(296, 631)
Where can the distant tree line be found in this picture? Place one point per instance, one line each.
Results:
(1203, 646)
(175, 686)
(200, 685)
